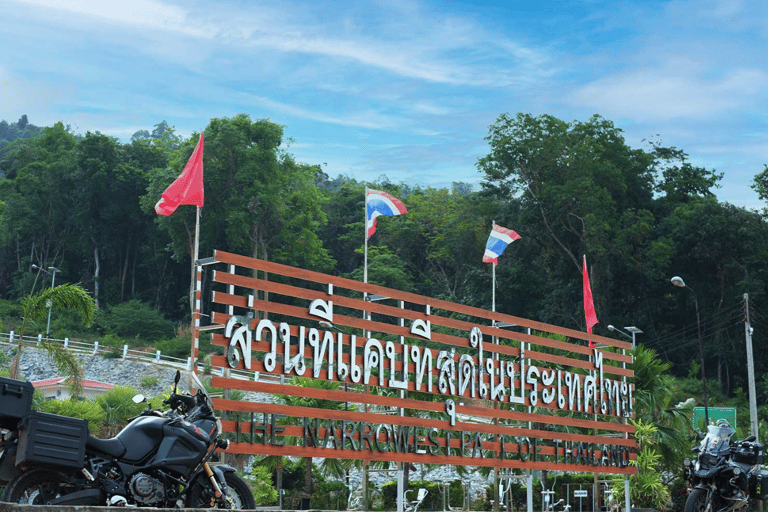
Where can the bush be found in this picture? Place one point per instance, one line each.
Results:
(148, 382)
(83, 409)
(10, 309)
(118, 406)
(261, 487)
(433, 500)
(179, 347)
(135, 319)
(330, 496)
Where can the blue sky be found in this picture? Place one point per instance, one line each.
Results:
(400, 88)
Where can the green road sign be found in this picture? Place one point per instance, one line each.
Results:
(715, 413)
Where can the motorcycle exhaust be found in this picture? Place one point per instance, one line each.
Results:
(84, 497)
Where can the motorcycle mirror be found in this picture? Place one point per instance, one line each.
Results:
(176, 380)
(137, 399)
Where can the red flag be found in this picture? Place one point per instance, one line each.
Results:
(188, 187)
(589, 306)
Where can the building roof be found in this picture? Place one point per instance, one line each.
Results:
(92, 384)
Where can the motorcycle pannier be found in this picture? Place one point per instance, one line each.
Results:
(748, 453)
(15, 401)
(51, 439)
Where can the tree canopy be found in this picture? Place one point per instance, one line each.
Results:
(84, 204)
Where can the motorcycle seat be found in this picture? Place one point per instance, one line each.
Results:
(113, 447)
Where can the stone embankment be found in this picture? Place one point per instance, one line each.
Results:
(35, 365)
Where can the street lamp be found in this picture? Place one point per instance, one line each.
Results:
(52, 271)
(678, 281)
(634, 330)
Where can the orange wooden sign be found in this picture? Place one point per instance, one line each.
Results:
(359, 371)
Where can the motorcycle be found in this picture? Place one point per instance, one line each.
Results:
(725, 474)
(160, 459)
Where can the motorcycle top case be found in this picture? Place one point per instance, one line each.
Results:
(15, 402)
(51, 439)
(748, 453)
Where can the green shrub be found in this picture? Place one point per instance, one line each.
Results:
(83, 409)
(179, 347)
(135, 320)
(261, 486)
(10, 309)
(148, 382)
(112, 341)
(118, 406)
(330, 496)
(433, 500)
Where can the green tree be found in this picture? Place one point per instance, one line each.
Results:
(680, 181)
(568, 185)
(36, 218)
(258, 200)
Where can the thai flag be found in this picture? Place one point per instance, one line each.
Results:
(499, 239)
(380, 203)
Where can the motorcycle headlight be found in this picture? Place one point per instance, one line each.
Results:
(736, 471)
(686, 462)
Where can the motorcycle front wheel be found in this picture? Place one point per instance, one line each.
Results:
(35, 487)
(697, 501)
(239, 497)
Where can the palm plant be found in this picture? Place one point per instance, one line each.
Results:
(335, 467)
(72, 297)
(654, 389)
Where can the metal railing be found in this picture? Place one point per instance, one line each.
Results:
(10, 338)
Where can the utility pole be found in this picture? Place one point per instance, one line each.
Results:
(750, 368)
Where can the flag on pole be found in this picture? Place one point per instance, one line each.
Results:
(188, 187)
(589, 306)
(380, 203)
(498, 240)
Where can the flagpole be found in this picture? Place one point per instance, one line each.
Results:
(365, 332)
(493, 302)
(365, 231)
(197, 282)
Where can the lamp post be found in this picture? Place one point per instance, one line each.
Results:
(52, 271)
(678, 281)
(634, 330)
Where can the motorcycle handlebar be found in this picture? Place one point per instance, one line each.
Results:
(187, 401)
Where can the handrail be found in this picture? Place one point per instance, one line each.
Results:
(10, 338)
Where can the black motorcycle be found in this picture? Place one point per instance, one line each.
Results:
(724, 475)
(160, 459)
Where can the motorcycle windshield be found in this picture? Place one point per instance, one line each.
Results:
(718, 439)
(200, 389)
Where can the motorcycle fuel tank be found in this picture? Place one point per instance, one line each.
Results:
(183, 446)
(141, 437)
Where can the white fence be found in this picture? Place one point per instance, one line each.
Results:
(138, 355)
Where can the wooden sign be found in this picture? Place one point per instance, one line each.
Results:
(359, 371)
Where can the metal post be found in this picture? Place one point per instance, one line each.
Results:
(53, 282)
(627, 503)
(529, 492)
(750, 369)
(678, 281)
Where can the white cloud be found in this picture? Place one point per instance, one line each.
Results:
(23, 96)
(658, 94)
(366, 119)
(150, 14)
